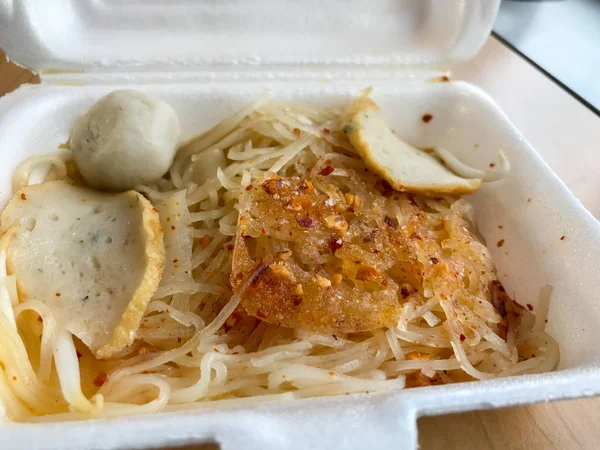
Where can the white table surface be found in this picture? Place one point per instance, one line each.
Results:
(561, 129)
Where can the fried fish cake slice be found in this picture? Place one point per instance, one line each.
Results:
(405, 167)
(94, 258)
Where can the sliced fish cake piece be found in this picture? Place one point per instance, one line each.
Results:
(94, 258)
(405, 167)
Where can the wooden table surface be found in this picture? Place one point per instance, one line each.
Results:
(559, 425)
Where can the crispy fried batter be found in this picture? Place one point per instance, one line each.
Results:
(351, 271)
(297, 291)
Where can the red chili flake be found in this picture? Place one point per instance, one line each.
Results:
(325, 131)
(562, 238)
(462, 337)
(240, 275)
(216, 350)
(145, 372)
(296, 299)
(57, 294)
(390, 222)
(500, 243)
(100, 379)
(255, 277)
(167, 310)
(155, 210)
(406, 290)
(296, 131)
(529, 306)
(179, 340)
(249, 187)
(306, 222)
(426, 118)
(175, 260)
(172, 227)
(434, 260)
(79, 355)
(499, 298)
(384, 188)
(335, 244)
(370, 237)
(230, 248)
(235, 353)
(272, 186)
(260, 314)
(263, 231)
(306, 185)
(23, 196)
(326, 170)
(40, 319)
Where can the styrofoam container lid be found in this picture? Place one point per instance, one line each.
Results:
(155, 45)
(159, 35)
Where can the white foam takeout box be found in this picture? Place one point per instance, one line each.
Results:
(208, 58)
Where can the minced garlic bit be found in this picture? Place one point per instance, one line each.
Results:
(323, 283)
(336, 279)
(352, 201)
(298, 290)
(366, 272)
(231, 320)
(336, 223)
(284, 255)
(340, 208)
(280, 270)
(294, 205)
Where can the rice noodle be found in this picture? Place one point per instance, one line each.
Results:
(37, 169)
(193, 351)
(48, 335)
(465, 171)
(67, 367)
